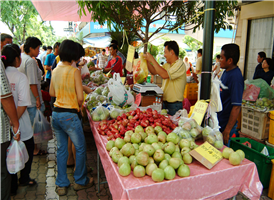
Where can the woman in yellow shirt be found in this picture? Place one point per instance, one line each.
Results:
(66, 86)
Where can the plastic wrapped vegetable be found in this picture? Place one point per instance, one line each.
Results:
(213, 136)
(140, 71)
(191, 126)
(100, 113)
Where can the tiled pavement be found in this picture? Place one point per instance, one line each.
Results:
(44, 171)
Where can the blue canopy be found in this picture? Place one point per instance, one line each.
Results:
(102, 41)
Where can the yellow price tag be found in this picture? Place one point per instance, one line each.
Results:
(209, 152)
(130, 53)
(199, 111)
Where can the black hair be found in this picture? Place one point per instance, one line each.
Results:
(218, 56)
(32, 42)
(49, 47)
(68, 51)
(172, 45)
(4, 36)
(114, 42)
(114, 46)
(136, 55)
(9, 53)
(57, 44)
(200, 51)
(262, 54)
(270, 63)
(104, 50)
(44, 84)
(44, 47)
(81, 51)
(231, 51)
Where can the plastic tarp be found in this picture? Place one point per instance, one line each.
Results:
(221, 182)
(60, 10)
(103, 41)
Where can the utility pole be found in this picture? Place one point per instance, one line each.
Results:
(205, 86)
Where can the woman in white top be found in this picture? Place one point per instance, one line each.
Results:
(11, 57)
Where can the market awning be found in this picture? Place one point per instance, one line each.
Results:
(60, 10)
(103, 41)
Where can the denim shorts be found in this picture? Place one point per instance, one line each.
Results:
(173, 107)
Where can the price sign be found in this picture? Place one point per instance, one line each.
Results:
(130, 57)
(138, 99)
(199, 111)
(207, 155)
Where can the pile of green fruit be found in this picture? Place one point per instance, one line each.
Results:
(235, 158)
(213, 137)
(151, 152)
(188, 129)
(98, 96)
(261, 104)
(99, 77)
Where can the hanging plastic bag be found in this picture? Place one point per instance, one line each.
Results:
(85, 72)
(118, 93)
(266, 90)
(41, 128)
(140, 71)
(251, 92)
(15, 157)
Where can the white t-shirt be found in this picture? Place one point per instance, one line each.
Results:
(19, 85)
(102, 61)
(31, 70)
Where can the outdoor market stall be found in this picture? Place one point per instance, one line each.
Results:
(222, 181)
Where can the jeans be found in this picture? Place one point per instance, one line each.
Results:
(32, 112)
(173, 107)
(24, 173)
(233, 130)
(5, 175)
(66, 124)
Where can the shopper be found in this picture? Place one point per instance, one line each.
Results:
(49, 50)
(5, 39)
(198, 66)
(8, 114)
(46, 98)
(31, 70)
(19, 82)
(266, 73)
(173, 73)
(49, 61)
(66, 86)
(231, 97)
(260, 58)
(102, 59)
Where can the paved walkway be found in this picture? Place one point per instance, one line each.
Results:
(44, 170)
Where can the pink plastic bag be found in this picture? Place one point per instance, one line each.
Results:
(251, 92)
(186, 104)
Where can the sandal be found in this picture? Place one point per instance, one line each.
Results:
(30, 182)
(61, 191)
(41, 153)
(77, 187)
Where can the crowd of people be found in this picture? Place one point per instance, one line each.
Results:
(51, 82)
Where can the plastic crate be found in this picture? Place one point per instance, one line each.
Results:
(191, 91)
(255, 123)
(263, 162)
(271, 127)
(271, 183)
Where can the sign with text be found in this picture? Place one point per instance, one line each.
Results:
(207, 155)
(130, 57)
(199, 111)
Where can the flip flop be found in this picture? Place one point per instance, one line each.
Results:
(29, 183)
(40, 153)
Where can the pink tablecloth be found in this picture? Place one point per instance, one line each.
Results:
(221, 182)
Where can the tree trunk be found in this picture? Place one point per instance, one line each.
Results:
(24, 34)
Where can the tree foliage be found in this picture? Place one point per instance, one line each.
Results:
(136, 16)
(193, 44)
(21, 18)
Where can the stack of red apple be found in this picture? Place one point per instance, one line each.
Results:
(128, 121)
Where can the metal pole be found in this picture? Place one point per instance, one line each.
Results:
(207, 50)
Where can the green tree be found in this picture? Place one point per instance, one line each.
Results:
(193, 44)
(23, 21)
(134, 16)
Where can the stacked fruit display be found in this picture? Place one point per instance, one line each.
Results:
(235, 158)
(152, 152)
(147, 119)
(262, 104)
(99, 77)
(213, 137)
(98, 96)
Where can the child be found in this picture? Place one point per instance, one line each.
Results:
(46, 98)
(11, 57)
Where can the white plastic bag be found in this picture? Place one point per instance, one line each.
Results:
(213, 136)
(41, 128)
(17, 156)
(118, 93)
(85, 72)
